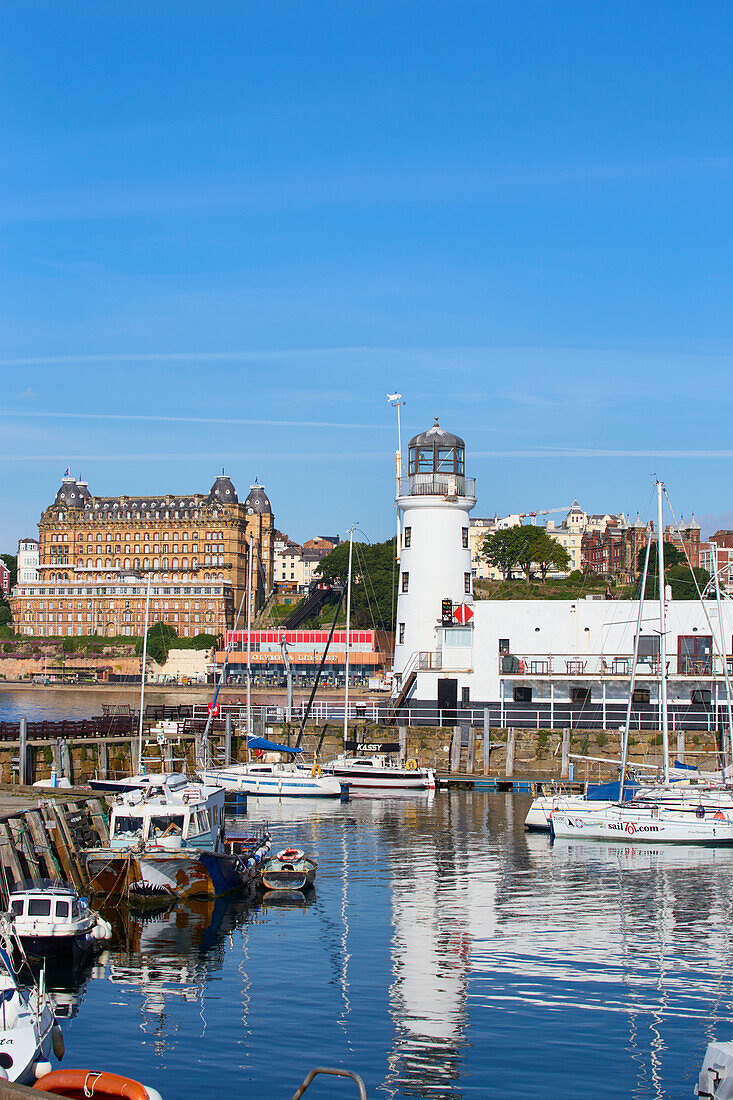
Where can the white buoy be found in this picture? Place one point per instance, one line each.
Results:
(41, 1069)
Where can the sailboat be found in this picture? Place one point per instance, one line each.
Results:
(655, 815)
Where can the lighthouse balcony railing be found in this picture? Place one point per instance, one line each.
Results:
(437, 485)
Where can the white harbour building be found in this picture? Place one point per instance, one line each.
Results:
(542, 663)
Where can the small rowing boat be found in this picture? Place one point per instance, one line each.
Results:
(290, 869)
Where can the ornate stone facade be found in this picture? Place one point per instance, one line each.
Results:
(97, 553)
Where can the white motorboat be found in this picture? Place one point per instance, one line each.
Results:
(380, 771)
(28, 1031)
(51, 919)
(265, 776)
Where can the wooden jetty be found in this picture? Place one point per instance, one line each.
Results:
(42, 833)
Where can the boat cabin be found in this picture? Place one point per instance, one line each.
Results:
(47, 905)
(175, 813)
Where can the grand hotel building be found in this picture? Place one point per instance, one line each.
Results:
(95, 555)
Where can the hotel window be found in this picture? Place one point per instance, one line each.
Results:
(580, 696)
(522, 694)
(405, 582)
(641, 696)
(467, 583)
(408, 537)
(700, 697)
(464, 537)
(402, 634)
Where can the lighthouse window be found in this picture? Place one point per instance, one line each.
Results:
(408, 537)
(405, 582)
(460, 637)
(402, 634)
(464, 537)
(467, 583)
(424, 460)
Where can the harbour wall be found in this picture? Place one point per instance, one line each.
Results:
(461, 750)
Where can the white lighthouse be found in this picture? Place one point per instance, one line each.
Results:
(435, 557)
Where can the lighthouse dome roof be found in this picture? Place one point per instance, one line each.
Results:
(436, 435)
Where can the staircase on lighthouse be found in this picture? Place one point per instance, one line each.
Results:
(434, 501)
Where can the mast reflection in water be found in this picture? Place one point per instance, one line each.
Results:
(443, 953)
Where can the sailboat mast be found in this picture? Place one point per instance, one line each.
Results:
(348, 638)
(662, 633)
(635, 659)
(142, 679)
(249, 642)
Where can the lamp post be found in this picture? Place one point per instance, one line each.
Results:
(395, 400)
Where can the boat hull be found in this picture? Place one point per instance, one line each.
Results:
(52, 947)
(275, 786)
(373, 779)
(155, 874)
(641, 826)
(278, 875)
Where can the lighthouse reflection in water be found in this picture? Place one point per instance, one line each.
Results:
(444, 953)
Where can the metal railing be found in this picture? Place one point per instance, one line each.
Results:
(437, 485)
(601, 665)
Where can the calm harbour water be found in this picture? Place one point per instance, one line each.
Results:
(445, 953)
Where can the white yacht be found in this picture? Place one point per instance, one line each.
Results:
(379, 772)
(279, 778)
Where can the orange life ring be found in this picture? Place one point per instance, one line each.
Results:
(288, 855)
(719, 816)
(85, 1082)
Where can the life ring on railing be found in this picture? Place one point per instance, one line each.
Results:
(521, 667)
(411, 765)
(317, 771)
(719, 816)
(65, 1082)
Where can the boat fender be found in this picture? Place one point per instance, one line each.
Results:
(700, 811)
(57, 1042)
(4, 1074)
(153, 1094)
(102, 930)
(317, 771)
(411, 765)
(41, 1069)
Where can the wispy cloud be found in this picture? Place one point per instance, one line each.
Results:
(336, 457)
(592, 452)
(28, 394)
(360, 185)
(39, 415)
(184, 356)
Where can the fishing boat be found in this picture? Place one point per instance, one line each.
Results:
(28, 1031)
(80, 1084)
(51, 919)
(170, 841)
(290, 869)
(281, 778)
(380, 771)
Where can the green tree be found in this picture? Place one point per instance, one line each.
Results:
(161, 639)
(503, 548)
(6, 616)
(547, 553)
(373, 580)
(677, 573)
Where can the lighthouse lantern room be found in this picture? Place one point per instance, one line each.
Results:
(434, 501)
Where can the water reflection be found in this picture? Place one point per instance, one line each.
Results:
(443, 953)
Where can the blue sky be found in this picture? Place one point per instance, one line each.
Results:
(229, 229)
